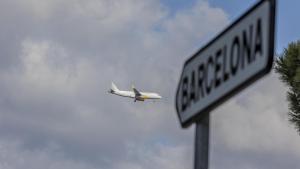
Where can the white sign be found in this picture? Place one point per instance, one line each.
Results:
(241, 54)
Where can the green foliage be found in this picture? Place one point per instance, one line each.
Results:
(288, 66)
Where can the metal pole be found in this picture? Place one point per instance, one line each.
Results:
(202, 143)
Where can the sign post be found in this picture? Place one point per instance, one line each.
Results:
(202, 143)
(233, 60)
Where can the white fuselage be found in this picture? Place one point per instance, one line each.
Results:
(131, 94)
(140, 96)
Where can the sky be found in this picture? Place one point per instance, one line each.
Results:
(58, 58)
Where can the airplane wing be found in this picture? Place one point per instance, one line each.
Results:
(136, 92)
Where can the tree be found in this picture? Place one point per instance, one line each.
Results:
(288, 67)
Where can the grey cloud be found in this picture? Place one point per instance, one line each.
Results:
(14, 156)
(57, 61)
(253, 129)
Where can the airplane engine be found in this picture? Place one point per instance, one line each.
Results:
(139, 99)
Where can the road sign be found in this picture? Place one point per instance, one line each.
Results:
(233, 60)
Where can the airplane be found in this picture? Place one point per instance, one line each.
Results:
(135, 94)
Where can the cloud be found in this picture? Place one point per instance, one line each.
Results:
(253, 129)
(159, 156)
(189, 22)
(14, 156)
(55, 72)
(58, 59)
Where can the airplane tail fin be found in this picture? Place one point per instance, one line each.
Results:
(114, 87)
